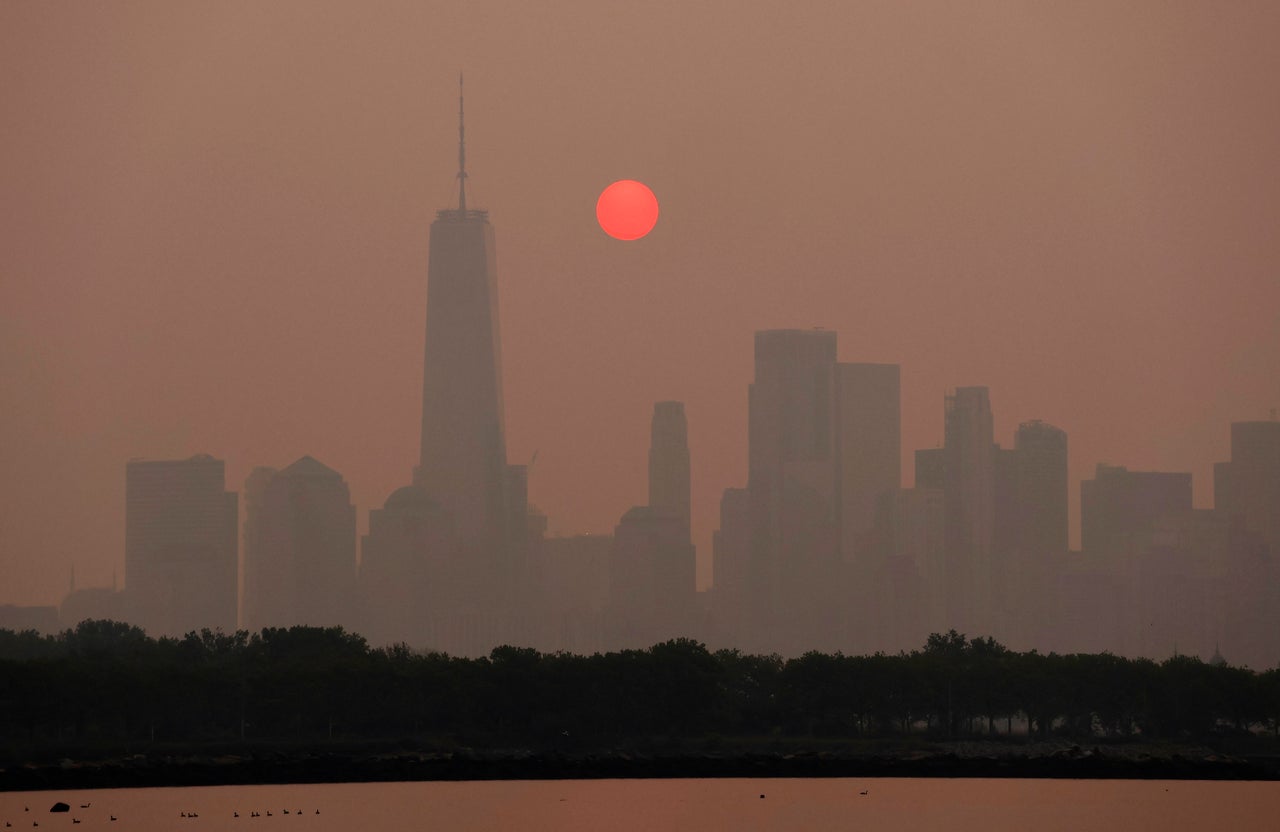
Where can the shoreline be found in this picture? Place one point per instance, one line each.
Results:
(942, 759)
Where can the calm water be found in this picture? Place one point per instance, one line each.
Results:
(620, 805)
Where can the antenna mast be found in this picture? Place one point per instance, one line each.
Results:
(462, 154)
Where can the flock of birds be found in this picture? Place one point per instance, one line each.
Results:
(234, 814)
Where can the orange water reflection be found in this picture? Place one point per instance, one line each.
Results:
(620, 805)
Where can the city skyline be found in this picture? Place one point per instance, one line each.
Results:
(217, 287)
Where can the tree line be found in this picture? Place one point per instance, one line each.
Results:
(108, 685)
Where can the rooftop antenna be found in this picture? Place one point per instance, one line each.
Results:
(462, 154)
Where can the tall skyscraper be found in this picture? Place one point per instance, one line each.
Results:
(731, 543)
(791, 473)
(463, 463)
(869, 435)
(669, 458)
(1041, 488)
(1247, 489)
(969, 486)
(300, 563)
(252, 536)
(181, 555)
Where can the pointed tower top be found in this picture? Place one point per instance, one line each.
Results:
(461, 212)
(462, 153)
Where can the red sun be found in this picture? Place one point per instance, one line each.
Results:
(627, 210)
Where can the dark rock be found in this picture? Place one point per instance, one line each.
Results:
(59, 807)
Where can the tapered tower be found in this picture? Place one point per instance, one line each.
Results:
(463, 463)
(669, 459)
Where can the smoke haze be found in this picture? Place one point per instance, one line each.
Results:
(214, 235)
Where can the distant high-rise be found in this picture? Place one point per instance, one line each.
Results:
(1247, 489)
(969, 486)
(869, 435)
(652, 583)
(731, 542)
(181, 554)
(1042, 490)
(913, 521)
(300, 562)
(463, 462)
(1118, 505)
(255, 495)
(408, 568)
(730, 550)
(791, 476)
(669, 458)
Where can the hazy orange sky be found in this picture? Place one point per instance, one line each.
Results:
(213, 233)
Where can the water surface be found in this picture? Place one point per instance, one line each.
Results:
(622, 805)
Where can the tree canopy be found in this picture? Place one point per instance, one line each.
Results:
(108, 684)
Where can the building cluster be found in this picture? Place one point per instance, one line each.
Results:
(822, 549)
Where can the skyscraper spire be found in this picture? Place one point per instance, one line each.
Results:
(462, 154)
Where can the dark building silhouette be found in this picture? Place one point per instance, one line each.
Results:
(1118, 505)
(669, 458)
(930, 468)
(300, 547)
(911, 589)
(409, 563)
(791, 477)
(730, 550)
(572, 580)
(255, 492)
(1247, 489)
(1006, 556)
(181, 553)
(869, 440)
(93, 603)
(969, 488)
(652, 562)
(463, 462)
(19, 618)
(1029, 528)
(1041, 485)
(444, 564)
(652, 580)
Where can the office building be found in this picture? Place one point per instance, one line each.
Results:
(791, 477)
(181, 553)
(969, 488)
(1041, 465)
(300, 548)
(1119, 506)
(1247, 489)
(652, 582)
(869, 440)
(669, 458)
(463, 458)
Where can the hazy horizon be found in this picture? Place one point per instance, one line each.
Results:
(215, 236)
